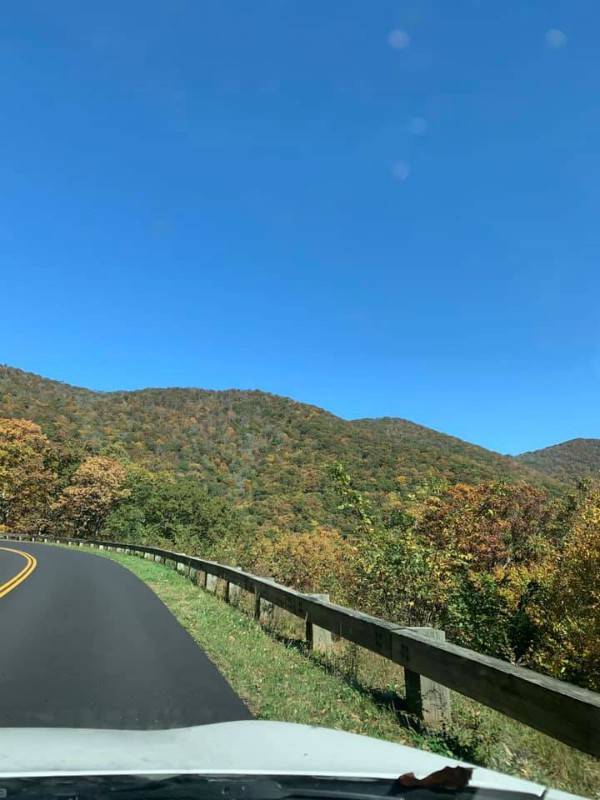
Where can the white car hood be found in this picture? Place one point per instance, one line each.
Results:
(242, 748)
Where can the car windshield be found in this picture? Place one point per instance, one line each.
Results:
(299, 431)
(182, 787)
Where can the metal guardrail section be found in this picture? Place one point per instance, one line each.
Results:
(558, 709)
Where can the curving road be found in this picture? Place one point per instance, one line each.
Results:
(84, 643)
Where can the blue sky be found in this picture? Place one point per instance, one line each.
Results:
(384, 208)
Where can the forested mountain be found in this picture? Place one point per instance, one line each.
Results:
(267, 453)
(567, 462)
(452, 457)
(386, 516)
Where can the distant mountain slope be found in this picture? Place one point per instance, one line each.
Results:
(455, 458)
(267, 453)
(567, 462)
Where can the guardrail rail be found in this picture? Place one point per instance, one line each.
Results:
(432, 665)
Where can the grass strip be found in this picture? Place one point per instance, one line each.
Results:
(279, 681)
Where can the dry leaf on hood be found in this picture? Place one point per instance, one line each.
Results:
(446, 778)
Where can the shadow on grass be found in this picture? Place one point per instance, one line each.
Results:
(445, 741)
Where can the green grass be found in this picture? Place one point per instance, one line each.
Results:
(351, 689)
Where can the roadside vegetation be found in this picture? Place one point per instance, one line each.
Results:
(270, 667)
(505, 569)
(502, 569)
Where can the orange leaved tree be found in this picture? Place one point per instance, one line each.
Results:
(96, 487)
(27, 475)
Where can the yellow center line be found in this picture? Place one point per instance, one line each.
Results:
(11, 584)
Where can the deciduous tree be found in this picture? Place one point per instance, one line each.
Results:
(569, 615)
(27, 475)
(96, 487)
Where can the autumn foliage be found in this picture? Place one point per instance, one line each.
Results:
(503, 569)
(311, 562)
(42, 489)
(492, 525)
(27, 475)
(265, 455)
(568, 613)
(95, 489)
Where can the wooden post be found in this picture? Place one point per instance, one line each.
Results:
(426, 699)
(262, 606)
(221, 588)
(233, 592)
(318, 638)
(201, 579)
(257, 605)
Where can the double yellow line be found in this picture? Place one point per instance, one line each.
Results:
(18, 579)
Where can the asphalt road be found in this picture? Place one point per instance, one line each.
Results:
(84, 643)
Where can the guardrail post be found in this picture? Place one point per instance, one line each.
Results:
(221, 590)
(262, 606)
(201, 579)
(426, 699)
(562, 711)
(318, 639)
(233, 592)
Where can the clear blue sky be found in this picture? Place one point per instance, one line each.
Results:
(382, 208)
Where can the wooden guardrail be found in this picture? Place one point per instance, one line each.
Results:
(432, 667)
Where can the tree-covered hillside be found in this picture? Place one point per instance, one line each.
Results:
(567, 462)
(268, 454)
(501, 568)
(454, 458)
(417, 532)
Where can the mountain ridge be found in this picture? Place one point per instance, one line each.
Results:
(267, 453)
(386, 418)
(567, 461)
